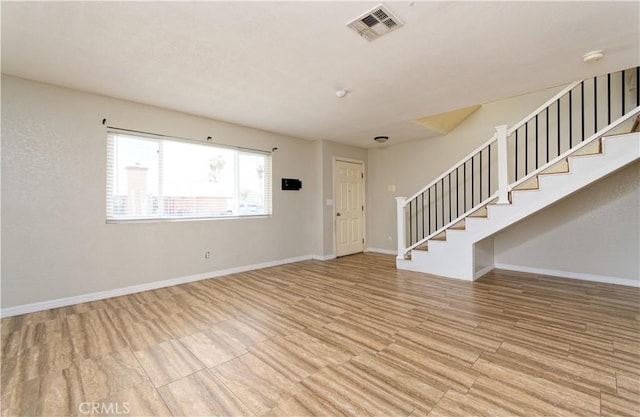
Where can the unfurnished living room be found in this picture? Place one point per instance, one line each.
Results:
(290, 209)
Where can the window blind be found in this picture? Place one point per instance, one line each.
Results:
(151, 178)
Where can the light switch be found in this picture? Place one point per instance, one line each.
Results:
(329, 202)
(391, 188)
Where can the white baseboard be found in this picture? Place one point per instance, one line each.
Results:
(385, 251)
(333, 256)
(323, 257)
(67, 301)
(571, 275)
(483, 271)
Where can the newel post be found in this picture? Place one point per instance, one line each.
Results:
(400, 201)
(503, 166)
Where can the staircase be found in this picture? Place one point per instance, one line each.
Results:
(584, 133)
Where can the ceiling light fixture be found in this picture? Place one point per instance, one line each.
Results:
(593, 56)
(341, 93)
(381, 139)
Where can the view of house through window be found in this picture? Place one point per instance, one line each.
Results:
(152, 178)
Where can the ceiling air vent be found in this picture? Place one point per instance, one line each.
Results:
(375, 23)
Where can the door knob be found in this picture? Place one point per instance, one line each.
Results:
(338, 214)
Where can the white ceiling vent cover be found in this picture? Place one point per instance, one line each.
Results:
(375, 23)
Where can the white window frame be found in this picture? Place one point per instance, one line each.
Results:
(233, 213)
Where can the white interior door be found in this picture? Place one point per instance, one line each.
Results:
(349, 203)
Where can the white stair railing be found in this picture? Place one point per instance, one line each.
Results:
(579, 114)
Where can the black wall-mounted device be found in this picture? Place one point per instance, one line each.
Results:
(291, 184)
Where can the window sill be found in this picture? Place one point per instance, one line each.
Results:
(186, 219)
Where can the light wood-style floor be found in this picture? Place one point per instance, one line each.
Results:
(348, 337)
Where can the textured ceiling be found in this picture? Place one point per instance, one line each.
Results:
(276, 65)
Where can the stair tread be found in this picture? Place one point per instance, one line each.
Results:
(493, 201)
(560, 167)
(594, 148)
(530, 184)
(461, 225)
(481, 212)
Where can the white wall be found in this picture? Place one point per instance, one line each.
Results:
(410, 166)
(55, 242)
(593, 232)
(483, 256)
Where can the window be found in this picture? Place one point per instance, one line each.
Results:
(156, 178)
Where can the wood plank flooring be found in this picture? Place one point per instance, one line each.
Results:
(348, 337)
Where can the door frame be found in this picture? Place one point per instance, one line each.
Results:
(334, 211)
